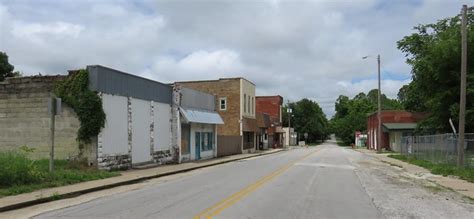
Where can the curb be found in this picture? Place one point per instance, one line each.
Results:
(128, 182)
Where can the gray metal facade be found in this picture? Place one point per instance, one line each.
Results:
(198, 100)
(111, 81)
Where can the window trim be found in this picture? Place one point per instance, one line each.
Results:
(225, 103)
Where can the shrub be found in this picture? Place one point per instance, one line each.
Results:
(74, 91)
(18, 174)
(16, 168)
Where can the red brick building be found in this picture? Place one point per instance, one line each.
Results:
(395, 124)
(271, 106)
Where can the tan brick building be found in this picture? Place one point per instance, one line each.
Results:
(236, 105)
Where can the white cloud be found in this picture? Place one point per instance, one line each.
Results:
(296, 49)
(203, 61)
(199, 65)
(56, 29)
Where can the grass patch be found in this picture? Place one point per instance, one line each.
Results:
(19, 174)
(440, 169)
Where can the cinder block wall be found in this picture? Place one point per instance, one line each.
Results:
(24, 119)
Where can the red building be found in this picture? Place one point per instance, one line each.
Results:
(270, 106)
(395, 124)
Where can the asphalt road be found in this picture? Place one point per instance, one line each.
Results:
(316, 182)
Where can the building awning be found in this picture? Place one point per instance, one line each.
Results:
(201, 116)
(399, 126)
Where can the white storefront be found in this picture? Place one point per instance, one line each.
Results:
(198, 129)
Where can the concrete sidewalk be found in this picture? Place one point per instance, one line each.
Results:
(461, 186)
(126, 177)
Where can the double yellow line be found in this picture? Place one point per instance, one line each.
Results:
(229, 201)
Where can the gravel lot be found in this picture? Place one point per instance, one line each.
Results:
(398, 194)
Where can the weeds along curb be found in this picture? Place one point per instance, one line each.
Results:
(123, 183)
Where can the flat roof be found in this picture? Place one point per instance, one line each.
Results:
(399, 126)
(268, 96)
(216, 80)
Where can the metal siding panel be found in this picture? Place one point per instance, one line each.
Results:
(141, 131)
(115, 82)
(162, 129)
(195, 99)
(228, 145)
(115, 133)
(93, 77)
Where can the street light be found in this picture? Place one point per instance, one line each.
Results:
(379, 112)
(289, 111)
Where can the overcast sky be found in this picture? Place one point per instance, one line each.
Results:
(296, 49)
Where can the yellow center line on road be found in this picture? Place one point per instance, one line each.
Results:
(232, 199)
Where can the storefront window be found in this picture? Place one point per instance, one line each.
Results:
(210, 141)
(206, 140)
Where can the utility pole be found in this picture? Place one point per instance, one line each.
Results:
(379, 113)
(52, 106)
(462, 104)
(289, 119)
(289, 122)
(379, 106)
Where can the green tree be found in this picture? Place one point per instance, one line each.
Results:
(308, 117)
(434, 53)
(284, 115)
(342, 106)
(410, 99)
(6, 69)
(351, 114)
